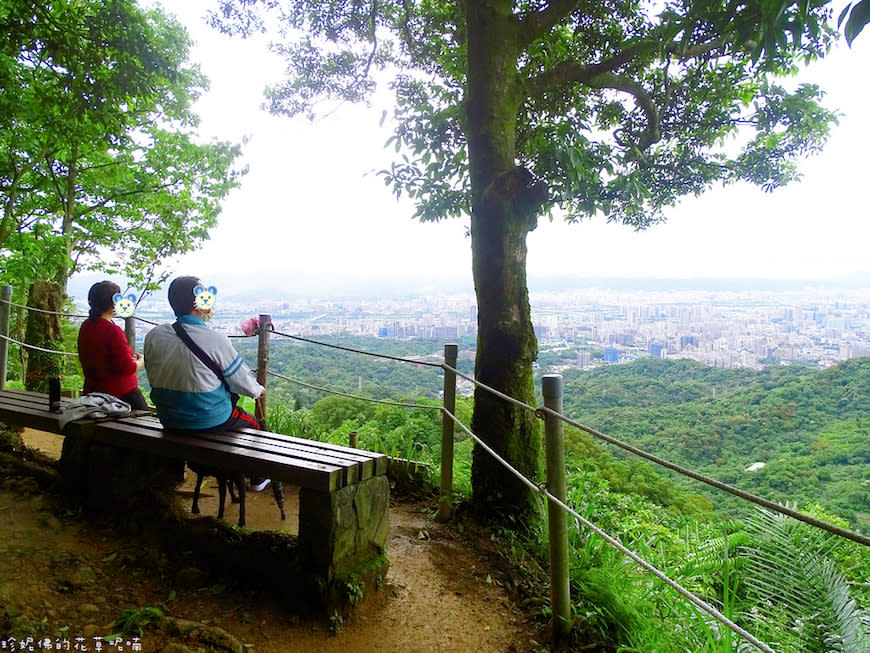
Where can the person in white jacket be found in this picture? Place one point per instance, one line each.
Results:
(188, 394)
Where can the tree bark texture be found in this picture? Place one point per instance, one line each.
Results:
(504, 209)
(43, 330)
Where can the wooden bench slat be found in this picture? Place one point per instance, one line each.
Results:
(38, 418)
(227, 457)
(373, 464)
(352, 468)
(368, 464)
(260, 441)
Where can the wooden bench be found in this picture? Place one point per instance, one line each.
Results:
(343, 496)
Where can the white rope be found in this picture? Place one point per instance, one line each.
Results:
(47, 351)
(39, 310)
(344, 394)
(493, 391)
(742, 494)
(358, 351)
(746, 496)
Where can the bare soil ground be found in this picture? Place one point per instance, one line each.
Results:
(65, 578)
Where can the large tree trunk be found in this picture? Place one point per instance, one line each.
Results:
(43, 330)
(505, 203)
(506, 349)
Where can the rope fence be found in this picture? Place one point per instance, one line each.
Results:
(358, 351)
(614, 542)
(761, 501)
(35, 348)
(39, 310)
(752, 498)
(544, 413)
(351, 396)
(540, 412)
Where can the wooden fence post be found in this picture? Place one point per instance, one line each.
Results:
(130, 332)
(445, 496)
(353, 439)
(263, 362)
(5, 307)
(560, 591)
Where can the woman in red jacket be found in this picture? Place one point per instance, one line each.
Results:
(107, 360)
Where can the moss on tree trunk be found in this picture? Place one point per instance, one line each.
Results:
(43, 330)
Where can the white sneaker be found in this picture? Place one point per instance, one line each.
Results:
(258, 485)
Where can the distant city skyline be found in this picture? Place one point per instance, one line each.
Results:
(584, 328)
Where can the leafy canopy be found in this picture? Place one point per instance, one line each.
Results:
(621, 108)
(98, 149)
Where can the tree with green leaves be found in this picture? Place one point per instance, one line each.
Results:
(100, 164)
(509, 110)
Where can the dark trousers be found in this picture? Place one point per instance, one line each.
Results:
(239, 419)
(135, 399)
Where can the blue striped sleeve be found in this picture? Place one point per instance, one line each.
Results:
(233, 367)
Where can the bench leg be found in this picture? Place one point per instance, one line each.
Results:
(278, 493)
(196, 490)
(240, 482)
(227, 482)
(341, 530)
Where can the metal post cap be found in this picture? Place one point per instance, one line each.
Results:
(552, 385)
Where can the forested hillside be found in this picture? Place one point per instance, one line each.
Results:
(809, 427)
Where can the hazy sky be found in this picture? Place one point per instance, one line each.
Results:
(311, 216)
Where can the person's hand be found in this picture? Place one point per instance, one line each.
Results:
(262, 395)
(140, 362)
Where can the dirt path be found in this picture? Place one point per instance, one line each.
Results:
(60, 574)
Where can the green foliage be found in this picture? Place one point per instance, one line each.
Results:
(98, 149)
(615, 602)
(858, 16)
(298, 423)
(794, 583)
(625, 138)
(134, 621)
(808, 426)
(355, 374)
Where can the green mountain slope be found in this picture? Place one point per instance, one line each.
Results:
(810, 428)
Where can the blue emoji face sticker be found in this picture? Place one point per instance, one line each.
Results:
(124, 306)
(204, 298)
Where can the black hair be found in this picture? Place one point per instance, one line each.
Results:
(181, 294)
(101, 298)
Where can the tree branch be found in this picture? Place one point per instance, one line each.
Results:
(599, 76)
(652, 133)
(694, 51)
(410, 43)
(534, 25)
(569, 72)
(143, 190)
(373, 15)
